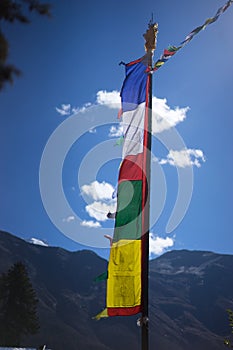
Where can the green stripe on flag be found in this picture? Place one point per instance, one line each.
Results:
(101, 277)
(128, 224)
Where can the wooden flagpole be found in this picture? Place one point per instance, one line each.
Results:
(150, 45)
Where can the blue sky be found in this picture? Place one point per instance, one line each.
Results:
(67, 99)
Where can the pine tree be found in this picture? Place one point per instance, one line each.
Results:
(12, 11)
(228, 342)
(18, 305)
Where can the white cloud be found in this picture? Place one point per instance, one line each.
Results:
(82, 109)
(16, 349)
(90, 223)
(101, 193)
(110, 99)
(164, 117)
(92, 131)
(65, 109)
(74, 110)
(158, 245)
(184, 158)
(38, 242)
(99, 210)
(69, 219)
(116, 131)
(98, 190)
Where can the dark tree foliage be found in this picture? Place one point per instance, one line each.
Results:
(228, 341)
(12, 11)
(18, 306)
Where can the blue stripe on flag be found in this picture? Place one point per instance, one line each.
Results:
(133, 90)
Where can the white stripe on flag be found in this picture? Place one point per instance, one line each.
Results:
(133, 129)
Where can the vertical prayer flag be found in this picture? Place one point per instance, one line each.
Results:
(124, 283)
(126, 292)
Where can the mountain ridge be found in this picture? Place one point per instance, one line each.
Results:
(189, 292)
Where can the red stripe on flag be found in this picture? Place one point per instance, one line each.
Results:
(119, 114)
(124, 311)
(131, 168)
(169, 53)
(134, 62)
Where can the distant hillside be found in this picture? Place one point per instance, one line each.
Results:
(189, 294)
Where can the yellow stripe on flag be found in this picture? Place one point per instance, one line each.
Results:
(124, 274)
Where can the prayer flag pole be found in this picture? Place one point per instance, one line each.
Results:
(127, 276)
(150, 45)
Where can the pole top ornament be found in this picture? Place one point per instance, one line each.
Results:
(151, 37)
